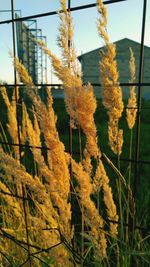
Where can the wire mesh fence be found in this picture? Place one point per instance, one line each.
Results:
(137, 160)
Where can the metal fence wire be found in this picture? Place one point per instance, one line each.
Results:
(137, 160)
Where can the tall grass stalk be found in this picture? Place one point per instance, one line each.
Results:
(82, 207)
(129, 184)
(121, 209)
(4, 138)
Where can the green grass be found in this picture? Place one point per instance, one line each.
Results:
(137, 253)
(101, 119)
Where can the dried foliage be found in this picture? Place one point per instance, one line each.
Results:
(112, 93)
(48, 189)
(132, 102)
(11, 117)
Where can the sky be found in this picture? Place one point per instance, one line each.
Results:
(124, 21)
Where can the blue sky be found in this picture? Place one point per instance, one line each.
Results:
(125, 20)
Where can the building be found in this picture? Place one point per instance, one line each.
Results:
(90, 65)
(29, 52)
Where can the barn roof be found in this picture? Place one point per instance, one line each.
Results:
(125, 42)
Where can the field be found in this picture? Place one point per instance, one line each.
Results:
(101, 119)
(135, 253)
